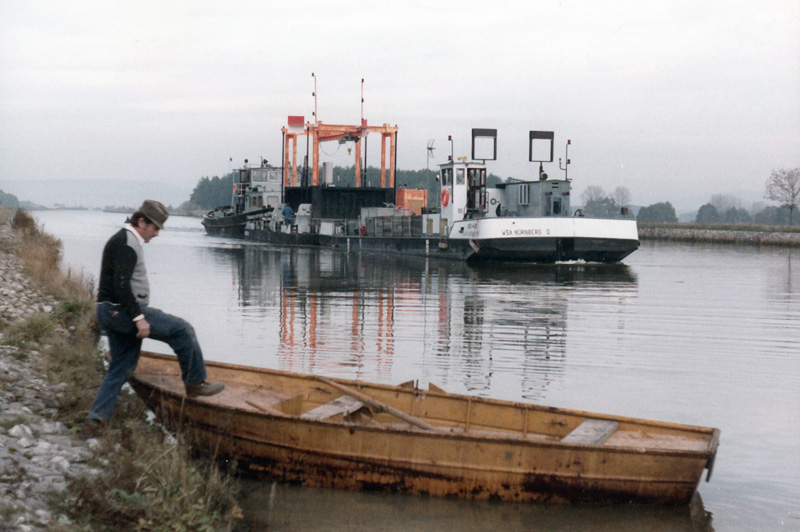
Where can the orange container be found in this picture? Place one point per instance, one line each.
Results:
(412, 199)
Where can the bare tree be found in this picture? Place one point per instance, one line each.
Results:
(784, 186)
(592, 194)
(621, 196)
(723, 202)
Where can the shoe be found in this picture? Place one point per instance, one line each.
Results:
(204, 388)
(92, 428)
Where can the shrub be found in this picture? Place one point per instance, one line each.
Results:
(23, 221)
(154, 485)
(35, 328)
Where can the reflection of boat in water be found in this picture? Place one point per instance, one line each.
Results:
(266, 504)
(249, 198)
(355, 435)
(579, 273)
(517, 220)
(333, 310)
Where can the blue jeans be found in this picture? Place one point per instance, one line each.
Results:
(125, 348)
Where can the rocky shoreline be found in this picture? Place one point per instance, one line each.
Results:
(38, 454)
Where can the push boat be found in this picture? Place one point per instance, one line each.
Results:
(517, 220)
(249, 185)
(317, 431)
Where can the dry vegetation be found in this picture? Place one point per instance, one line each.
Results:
(150, 480)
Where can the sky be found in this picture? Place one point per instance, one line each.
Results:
(674, 100)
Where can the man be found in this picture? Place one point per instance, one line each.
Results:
(288, 215)
(124, 314)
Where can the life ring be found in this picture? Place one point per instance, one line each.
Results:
(445, 197)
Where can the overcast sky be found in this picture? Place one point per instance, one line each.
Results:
(667, 98)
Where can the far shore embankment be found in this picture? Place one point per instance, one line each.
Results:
(675, 233)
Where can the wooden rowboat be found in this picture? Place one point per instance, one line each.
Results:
(316, 431)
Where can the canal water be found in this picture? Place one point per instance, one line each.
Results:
(695, 334)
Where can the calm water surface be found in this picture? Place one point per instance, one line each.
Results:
(703, 335)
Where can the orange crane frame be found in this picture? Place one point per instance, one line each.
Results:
(320, 132)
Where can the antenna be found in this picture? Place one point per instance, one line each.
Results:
(362, 100)
(430, 152)
(314, 94)
(566, 158)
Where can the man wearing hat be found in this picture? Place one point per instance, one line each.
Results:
(124, 314)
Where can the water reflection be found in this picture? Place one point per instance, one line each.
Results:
(463, 327)
(697, 334)
(276, 507)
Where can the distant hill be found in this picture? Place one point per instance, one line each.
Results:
(8, 200)
(94, 194)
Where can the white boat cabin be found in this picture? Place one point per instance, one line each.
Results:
(256, 188)
(463, 193)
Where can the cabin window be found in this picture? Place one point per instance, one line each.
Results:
(272, 201)
(447, 176)
(524, 194)
(460, 176)
(477, 177)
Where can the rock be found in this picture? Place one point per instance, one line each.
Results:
(20, 431)
(60, 463)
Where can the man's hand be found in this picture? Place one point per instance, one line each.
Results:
(144, 328)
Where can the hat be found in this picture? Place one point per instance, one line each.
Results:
(155, 212)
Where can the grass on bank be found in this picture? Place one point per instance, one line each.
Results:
(149, 481)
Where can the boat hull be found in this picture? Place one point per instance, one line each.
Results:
(281, 238)
(217, 223)
(229, 226)
(542, 240)
(476, 461)
(534, 249)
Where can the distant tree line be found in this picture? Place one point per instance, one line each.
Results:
(212, 192)
(597, 203)
(769, 215)
(783, 186)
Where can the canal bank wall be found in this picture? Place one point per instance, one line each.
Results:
(720, 236)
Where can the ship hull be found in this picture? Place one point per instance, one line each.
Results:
(543, 240)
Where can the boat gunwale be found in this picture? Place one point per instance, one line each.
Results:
(422, 464)
(516, 438)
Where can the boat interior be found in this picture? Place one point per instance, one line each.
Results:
(409, 408)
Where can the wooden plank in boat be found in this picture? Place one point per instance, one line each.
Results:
(591, 432)
(341, 406)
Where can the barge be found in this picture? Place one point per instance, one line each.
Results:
(522, 220)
